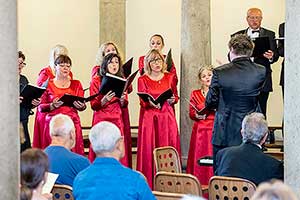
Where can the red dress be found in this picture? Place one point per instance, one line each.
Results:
(200, 144)
(44, 75)
(158, 127)
(50, 94)
(111, 111)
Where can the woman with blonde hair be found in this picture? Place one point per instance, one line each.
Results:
(200, 143)
(47, 73)
(158, 126)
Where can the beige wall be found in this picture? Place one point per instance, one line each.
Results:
(75, 23)
(230, 16)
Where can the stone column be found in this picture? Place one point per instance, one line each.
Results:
(292, 96)
(195, 52)
(9, 106)
(113, 23)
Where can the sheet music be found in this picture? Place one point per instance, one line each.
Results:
(51, 178)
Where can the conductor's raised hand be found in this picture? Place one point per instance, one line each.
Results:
(107, 97)
(79, 105)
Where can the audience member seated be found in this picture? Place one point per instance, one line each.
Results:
(248, 160)
(34, 165)
(61, 160)
(274, 191)
(106, 178)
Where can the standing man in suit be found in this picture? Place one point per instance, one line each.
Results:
(234, 92)
(254, 18)
(248, 160)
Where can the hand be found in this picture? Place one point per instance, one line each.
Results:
(107, 97)
(269, 54)
(48, 196)
(122, 99)
(56, 103)
(79, 105)
(20, 99)
(157, 106)
(36, 102)
(171, 100)
(201, 117)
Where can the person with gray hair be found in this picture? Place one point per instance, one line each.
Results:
(248, 160)
(61, 160)
(107, 178)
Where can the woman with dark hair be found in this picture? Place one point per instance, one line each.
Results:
(34, 167)
(24, 111)
(57, 87)
(108, 107)
(158, 126)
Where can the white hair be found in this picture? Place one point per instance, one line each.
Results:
(104, 136)
(191, 197)
(254, 127)
(55, 52)
(61, 125)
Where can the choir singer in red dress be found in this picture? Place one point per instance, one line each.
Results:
(44, 76)
(108, 107)
(158, 126)
(200, 144)
(50, 103)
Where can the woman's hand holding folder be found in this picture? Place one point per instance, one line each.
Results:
(107, 97)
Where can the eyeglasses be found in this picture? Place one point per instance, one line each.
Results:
(64, 65)
(254, 17)
(22, 63)
(156, 60)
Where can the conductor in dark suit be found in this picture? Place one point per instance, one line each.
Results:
(234, 92)
(254, 18)
(248, 160)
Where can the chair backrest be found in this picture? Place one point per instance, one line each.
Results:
(167, 159)
(62, 192)
(221, 187)
(167, 195)
(177, 183)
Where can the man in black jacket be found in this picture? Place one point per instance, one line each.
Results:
(234, 92)
(254, 18)
(248, 160)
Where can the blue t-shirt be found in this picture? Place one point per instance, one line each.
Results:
(106, 178)
(65, 163)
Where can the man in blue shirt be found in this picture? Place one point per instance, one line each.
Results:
(106, 178)
(61, 160)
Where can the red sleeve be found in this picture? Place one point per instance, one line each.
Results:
(79, 90)
(45, 102)
(141, 65)
(94, 89)
(142, 88)
(174, 88)
(198, 102)
(192, 111)
(173, 71)
(95, 70)
(43, 76)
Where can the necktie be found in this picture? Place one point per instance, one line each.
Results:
(255, 31)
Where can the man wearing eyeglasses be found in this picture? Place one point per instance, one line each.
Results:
(254, 18)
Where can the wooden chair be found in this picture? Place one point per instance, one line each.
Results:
(167, 195)
(167, 159)
(221, 187)
(62, 192)
(177, 183)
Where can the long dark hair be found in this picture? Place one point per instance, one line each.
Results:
(34, 165)
(106, 61)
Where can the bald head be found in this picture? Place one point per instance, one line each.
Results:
(254, 18)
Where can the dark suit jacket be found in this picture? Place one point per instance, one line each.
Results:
(233, 93)
(281, 51)
(249, 162)
(262, 60)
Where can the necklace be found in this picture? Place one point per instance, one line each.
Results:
(203, 93)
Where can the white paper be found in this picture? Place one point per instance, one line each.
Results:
(51, 178)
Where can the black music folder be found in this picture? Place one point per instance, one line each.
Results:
(262, 44)
(116, 84)
(68, 99)
(159, 100)
(30, 92)
(127, 67)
